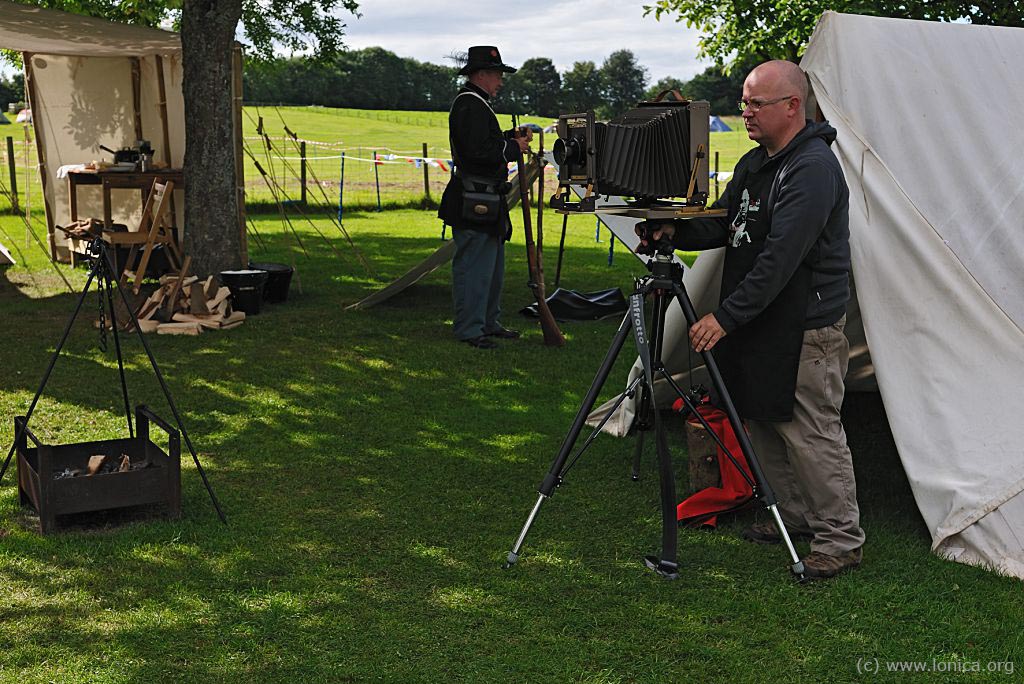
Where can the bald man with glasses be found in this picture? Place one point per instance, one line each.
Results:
(778, 331)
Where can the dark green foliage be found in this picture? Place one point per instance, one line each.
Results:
(541, 86)
(719, 87)
(308, 25)
(12, 90)
(667, 83)
(736, 31)
(140, 12)
(295, 25)
(535, 88)
(623, 83)
(581, 87)
(373, 78)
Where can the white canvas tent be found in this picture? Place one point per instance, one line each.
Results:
(935, 207)
(92, 82)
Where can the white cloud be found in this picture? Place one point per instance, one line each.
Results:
(565, 31)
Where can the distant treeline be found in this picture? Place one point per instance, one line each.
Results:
(11, 90)
(375, 78)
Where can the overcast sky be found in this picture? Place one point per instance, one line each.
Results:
(565, 31)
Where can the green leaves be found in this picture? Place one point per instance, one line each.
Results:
(310, 26)
(740, 30)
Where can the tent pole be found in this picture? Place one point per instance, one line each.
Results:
(30, 91)
(166, 137)
(137, 96)
(162, 85)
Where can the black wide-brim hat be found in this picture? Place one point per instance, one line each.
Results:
(484, 57)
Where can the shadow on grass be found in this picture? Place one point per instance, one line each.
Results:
(375, 474)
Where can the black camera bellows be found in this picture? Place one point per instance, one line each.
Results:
(648, 153)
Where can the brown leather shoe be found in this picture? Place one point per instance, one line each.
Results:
(818, 565)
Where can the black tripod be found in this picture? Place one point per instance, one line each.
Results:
(101, 269)
(665, 281)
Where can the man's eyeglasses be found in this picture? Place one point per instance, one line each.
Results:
(755, 105)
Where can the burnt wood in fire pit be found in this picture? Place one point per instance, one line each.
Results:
(53, 479)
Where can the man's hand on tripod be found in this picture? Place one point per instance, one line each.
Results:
(705, 333)
(652, 231)
(655, 237)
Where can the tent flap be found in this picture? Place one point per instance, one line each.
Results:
(26, 28)
(934, 201)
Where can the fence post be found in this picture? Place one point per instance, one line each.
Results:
(302, 172)
(426, 178)
(716, 174)
(376, 179)
(341, 187)
(13, 174)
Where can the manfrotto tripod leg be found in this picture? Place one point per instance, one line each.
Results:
(49, 369)
(649, 349)
(644, 421)
(765, 492)
(554, 476)
(666, 565)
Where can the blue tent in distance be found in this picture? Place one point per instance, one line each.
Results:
(716, 125)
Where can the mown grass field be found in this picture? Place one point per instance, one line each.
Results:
(361, 133)
(375, 474)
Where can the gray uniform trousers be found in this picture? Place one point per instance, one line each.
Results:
(807, 461)
(478, 273)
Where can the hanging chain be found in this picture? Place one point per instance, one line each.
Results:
(100, 287)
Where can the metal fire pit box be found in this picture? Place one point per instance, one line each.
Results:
(45, 481)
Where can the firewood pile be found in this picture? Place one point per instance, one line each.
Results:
(187, 306)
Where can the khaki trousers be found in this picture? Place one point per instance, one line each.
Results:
(807, 461)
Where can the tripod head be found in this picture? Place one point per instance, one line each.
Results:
(95, 248)
(651, 245)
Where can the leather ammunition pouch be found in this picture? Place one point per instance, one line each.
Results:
(481, 202)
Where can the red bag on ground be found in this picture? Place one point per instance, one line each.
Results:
(703, 507)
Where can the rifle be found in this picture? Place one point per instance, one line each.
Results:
(552, 335)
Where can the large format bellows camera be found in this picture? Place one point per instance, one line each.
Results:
(655, 152)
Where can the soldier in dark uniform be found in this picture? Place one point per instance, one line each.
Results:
(474, 205)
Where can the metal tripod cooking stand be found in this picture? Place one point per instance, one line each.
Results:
(102, 271)
(664, 282)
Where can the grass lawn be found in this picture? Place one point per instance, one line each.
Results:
(375, 474)
(361, 133)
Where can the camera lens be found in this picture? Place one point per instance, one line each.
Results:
(559, 152)
(569, 151)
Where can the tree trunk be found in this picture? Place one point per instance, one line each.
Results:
(212, 233)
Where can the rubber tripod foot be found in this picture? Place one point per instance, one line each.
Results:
(666, 569)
